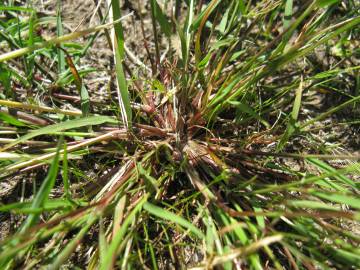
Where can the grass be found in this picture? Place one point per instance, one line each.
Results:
(207, 152)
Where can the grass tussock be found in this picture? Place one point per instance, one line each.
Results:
(217, 144)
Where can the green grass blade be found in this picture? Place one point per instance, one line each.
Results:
(68, 250)
(185, 46)
(85, 101)
(118, 237)
(328, 169)
(152, 253)
(338, 198)
(243, 107)
(103, 245)
(331, 111)
(11, 120)
(59, 33)
(26, 207)
(44, 191)
(159, 15)
(31, 62)
(199, 24)
(292, 125)
(167, 215)
(312, 205)
(325, 3)
(347, 257)
(70, 124)
(65, 173)
(122, 88)
(288, 13)
(15, 8)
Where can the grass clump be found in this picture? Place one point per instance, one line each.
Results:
(210, 149)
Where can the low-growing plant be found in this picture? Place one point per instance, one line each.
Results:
(205, 153)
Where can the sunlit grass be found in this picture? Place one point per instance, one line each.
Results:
(208, 156)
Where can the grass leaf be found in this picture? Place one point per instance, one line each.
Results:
(338, 198)
(59, 33)
(167, 215)
(44, 191)
(288, 13)
(161, 18)
(292, 125)
(325, 3)
(118, 43)
(70, 124)
(118, 237)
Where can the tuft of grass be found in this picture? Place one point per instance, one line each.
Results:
(228, 153)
